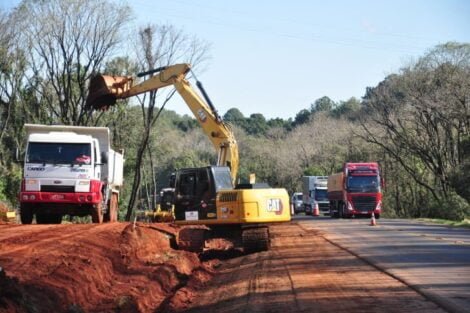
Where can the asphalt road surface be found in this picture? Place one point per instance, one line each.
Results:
(431, 259)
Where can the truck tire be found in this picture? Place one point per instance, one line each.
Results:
(113, 209)
(97, 214)
(26, 215)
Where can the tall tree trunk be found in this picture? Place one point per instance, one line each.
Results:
(137, 175)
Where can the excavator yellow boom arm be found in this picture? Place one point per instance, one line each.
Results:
(105, 90)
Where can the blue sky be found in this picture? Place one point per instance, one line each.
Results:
(277, 57)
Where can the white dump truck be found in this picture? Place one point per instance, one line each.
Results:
(70, 170)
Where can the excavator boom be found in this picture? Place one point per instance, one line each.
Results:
(105, 90)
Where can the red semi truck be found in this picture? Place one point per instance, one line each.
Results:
(356, 191)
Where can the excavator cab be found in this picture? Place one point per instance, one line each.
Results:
(196, 190)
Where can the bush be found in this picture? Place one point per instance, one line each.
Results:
(454, 208)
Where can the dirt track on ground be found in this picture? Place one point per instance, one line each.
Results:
(121, 268)
(304, 273)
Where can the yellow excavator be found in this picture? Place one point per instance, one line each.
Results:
(208, 195)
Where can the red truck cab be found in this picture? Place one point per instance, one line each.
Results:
(356, 191)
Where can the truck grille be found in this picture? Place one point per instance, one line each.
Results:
(228, 197)
(364, 203)
(324, 206)
(53, 188)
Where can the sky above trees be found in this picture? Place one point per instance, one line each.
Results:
(276, 57)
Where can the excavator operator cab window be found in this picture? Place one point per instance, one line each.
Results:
(202, 187)
(187, 184)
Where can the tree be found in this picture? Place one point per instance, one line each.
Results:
(420, 116)
(234, 115)
(348, 109)
(322, 104)
(160, 46)
(257, 124)
(12, 72)
(68, 41)
(302, 117)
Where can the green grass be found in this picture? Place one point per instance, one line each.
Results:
(465, 223)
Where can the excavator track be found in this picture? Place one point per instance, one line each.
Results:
(255, 239)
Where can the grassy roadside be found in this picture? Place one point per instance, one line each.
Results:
(465, 223)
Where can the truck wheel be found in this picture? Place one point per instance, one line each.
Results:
(26, 215)
(341, 211)
(97, 214)
(113, 209)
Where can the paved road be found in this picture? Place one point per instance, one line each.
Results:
(432, 259)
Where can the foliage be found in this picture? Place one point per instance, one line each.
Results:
(415, 122)
(419, 118)
(453, 207)
(464, 223)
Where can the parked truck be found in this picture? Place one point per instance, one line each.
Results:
(69, 170)
(356, 191)
(315, 197)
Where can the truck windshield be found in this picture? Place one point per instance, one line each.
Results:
(298, 197)
(363, 184)
(58, 153)
(321, 195)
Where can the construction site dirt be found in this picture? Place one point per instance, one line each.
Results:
(122, 267)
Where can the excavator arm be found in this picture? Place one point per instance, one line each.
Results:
(105, 90)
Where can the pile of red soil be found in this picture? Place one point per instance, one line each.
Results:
(96, 268)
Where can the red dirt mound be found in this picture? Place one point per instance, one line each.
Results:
(115, 267)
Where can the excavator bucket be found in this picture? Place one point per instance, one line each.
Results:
(104, 90)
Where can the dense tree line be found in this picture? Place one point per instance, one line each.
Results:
(415, 122)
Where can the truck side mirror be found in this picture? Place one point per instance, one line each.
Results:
(382, 183)
(172, 180)
(104, 157)
(18, 158)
